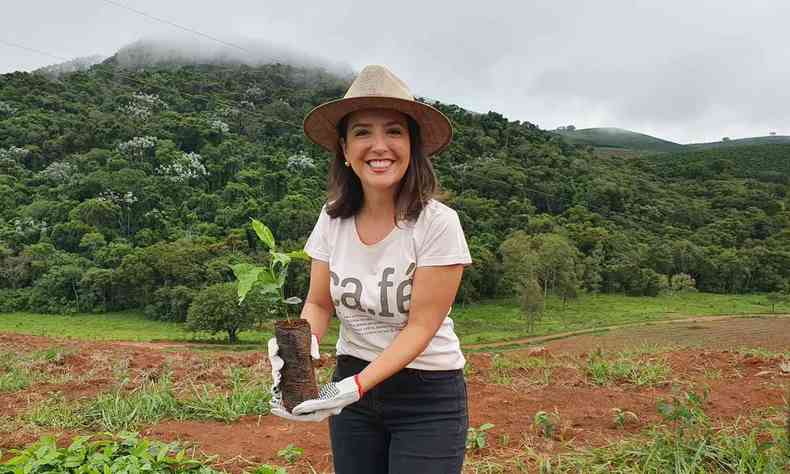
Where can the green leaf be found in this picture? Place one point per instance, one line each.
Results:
(486, 426)
(264, 233)
(299, 255)
(247, 274)
(281, 259)
(268, 284)
(293, 300)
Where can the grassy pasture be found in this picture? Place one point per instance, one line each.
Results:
(486, 322)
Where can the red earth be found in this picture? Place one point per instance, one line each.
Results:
(704, 355)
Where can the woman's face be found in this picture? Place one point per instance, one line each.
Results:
(378, 147)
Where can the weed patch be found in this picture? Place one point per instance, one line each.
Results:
(626, 369)
(54, 412)
(503, 367)
(121, 410)
(687, 443)
(245, 398)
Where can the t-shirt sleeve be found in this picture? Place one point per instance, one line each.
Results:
(444, 243)
(317, 245)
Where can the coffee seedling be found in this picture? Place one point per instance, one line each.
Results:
(477, 438)
(547, 423)
(290, 453)
(621, 417)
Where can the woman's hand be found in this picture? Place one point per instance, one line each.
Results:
(278, 409)
(333, 397)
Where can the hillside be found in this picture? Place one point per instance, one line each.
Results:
(134, 188)
(610, 140)
(618, 138)
(768, 163)
(769, 140)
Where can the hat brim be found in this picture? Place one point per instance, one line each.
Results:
(320, 125)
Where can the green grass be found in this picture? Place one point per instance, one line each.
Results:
(501, 320)
(18, 371)
(486, 322)
(602, 371)
(505, 366)
(124, 409)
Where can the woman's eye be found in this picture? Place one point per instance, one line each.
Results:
(395, 131)
(359, 133)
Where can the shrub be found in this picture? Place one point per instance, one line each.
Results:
(57, 291)
(216, 309)
(14, 299)
(171, 303)
(682, 282)
(96, 285)
(646, 282)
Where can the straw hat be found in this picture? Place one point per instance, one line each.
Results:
(377, 87)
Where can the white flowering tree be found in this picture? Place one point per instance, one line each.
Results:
(218, 126)
(6, 110)
(14, 153)
(27, 228)
(138, 148)
(300, 162)
(183, 168)
(59, 171)
(142, 106)
(254, 94)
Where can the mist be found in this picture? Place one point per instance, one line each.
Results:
(238, 51)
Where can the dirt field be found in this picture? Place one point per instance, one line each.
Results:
(710, 355)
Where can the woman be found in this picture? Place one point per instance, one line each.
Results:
(388, 260)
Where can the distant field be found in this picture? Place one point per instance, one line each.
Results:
(490, 321)
(618, 138)
(501, 320)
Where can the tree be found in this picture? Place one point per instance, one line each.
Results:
(775, 298)
(532, 302)
(216, 309)
(548, 257)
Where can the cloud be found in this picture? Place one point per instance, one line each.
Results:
(174, 49)
(684, 71)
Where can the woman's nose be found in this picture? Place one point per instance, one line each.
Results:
(379, 142)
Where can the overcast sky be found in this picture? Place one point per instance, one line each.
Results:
(687, 71)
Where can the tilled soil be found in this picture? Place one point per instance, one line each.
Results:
(705, 357)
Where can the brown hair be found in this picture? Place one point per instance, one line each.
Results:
(418, 185)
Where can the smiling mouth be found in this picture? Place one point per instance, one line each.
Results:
(379, 165)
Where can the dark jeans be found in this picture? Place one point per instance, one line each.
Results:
(415, 422)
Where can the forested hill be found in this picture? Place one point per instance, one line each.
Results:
(134, 188)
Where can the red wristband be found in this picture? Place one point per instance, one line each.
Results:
(359, 386)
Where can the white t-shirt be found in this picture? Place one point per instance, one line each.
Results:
(371, 284)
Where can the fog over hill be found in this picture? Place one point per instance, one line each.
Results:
(239, 51)
(77, 64)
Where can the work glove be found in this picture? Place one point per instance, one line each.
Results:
(332, 398)
(278, 409)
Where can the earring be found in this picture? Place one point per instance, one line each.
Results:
(348, 164)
